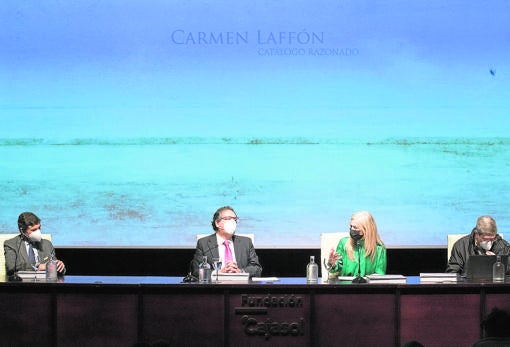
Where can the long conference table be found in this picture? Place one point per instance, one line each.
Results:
(124, 311)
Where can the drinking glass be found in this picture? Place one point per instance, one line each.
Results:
(328, 267)
(217, 266)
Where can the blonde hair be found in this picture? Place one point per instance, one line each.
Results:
(366, 223)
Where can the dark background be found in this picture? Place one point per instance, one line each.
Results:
(275, 262)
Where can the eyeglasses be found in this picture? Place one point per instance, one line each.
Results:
(487, 237)
(230, 218)
(484, 236)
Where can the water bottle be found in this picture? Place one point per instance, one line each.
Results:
(312, 271)
(51, 270)
(204, 271)
(498, 270)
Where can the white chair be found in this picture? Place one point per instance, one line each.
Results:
(452, 238)
(5, 237)
(328, 241)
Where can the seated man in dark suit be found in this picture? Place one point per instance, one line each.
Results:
(483, 240)
(28, 250)
(237, 253)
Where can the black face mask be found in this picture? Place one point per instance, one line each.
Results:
(355, 235)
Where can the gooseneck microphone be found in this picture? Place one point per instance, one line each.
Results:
(189, 277)
(210, 249)
(358, 278)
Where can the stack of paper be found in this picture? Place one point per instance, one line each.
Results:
(376, 278)
(265, 279)
(438, 277)
(32, 275)
(224, 277)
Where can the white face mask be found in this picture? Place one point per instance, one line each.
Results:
(35, 236)
(229, 226)
(486, 245)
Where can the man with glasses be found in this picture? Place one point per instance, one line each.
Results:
(483, 240)
(236, 253)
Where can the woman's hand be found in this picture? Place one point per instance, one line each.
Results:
(333, 257)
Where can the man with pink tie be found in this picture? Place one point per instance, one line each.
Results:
(236, 253)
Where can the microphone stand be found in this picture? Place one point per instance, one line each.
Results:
(358, 278)
(189, 277)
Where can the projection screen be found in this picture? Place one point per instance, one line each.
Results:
(128, 123)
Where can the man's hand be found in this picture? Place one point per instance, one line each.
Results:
(60, 265)
(231, 267)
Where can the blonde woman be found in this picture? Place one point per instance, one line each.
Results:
(364, 243)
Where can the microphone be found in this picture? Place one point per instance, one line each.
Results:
(210, 249)
(189, 277)
(358, 278)
(15, 277)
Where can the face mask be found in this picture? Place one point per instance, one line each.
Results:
(229, 226)
(35, 236)
(487, 245)
(355, 235)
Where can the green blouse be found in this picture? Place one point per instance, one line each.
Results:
(347, 267)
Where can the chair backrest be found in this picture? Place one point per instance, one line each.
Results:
(251, 236)
(5, 237)
(328, 241)
(452, 238)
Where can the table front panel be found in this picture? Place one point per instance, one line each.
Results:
(183, 319)
(96, 319)
(25, 318)
(440, 319)
(354, 319)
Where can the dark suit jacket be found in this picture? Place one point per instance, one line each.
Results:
(20, 261)
(247, 259)
(465, 246)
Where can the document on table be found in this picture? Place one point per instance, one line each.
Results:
(30, 275)
(376, 278)
(438, 277)
(265, 279)
(232, 276)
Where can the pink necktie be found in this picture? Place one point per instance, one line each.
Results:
(228, 253)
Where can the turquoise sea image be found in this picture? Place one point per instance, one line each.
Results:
(162, 191)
